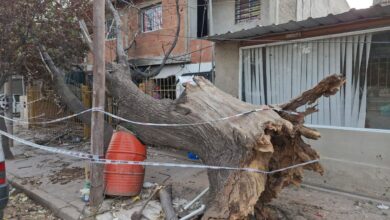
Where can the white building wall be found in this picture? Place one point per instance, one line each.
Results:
(222, 17)
(272, 12)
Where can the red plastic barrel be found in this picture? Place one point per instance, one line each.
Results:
(120, 179)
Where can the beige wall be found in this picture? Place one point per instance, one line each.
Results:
(223, 19)
(356, 161)
(226, 68)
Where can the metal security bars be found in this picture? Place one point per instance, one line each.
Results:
(160, 88)
(151, 18)
(247, 10)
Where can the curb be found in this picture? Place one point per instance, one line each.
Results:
(58, 207)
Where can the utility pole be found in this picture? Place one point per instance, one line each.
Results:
(9, 108)
(98, 98)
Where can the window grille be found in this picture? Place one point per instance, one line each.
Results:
(247, 10)
(151, 18)
(162, 88)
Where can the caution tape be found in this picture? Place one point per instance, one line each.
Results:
(145, 123)
(97, 159)
(51, 121)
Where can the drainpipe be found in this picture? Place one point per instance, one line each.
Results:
(194, 213)
(196, 199)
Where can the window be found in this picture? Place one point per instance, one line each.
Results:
(110, 29)
(277, 73)
(202, 21)
(247, 10)
(160, 88)
(151, 18)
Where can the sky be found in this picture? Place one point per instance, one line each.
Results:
(359, 3)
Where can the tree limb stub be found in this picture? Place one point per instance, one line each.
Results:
(326, 87)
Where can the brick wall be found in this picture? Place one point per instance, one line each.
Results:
(153, 45)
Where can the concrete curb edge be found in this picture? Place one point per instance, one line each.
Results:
(58, 207)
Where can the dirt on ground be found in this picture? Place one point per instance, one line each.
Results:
(66, 175)
(21, 207)
(296, 203)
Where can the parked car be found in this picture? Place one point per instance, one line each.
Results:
(3, 184)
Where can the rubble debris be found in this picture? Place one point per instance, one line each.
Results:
(382, 206)
(152, 210)
(23, 208)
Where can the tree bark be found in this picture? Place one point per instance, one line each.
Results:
(265, 140)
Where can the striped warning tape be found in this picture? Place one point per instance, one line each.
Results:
(96, 159)
(145, 123)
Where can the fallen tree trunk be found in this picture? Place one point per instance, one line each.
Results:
(264, 140)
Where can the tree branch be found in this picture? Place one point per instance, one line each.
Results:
(326, 87)
(85, 34)
(120, 51)
(67, 96)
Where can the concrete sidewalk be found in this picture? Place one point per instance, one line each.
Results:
(55, 181)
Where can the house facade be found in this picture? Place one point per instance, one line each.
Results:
(231, 16)
(149, 30)
(270, 64)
